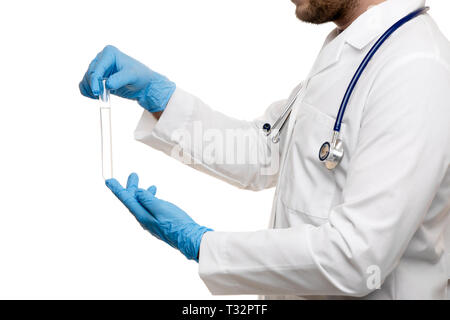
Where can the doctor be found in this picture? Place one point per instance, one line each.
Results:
(372, 228)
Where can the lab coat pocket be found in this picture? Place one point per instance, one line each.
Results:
(308, 187)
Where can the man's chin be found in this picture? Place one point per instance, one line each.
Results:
(307, 14)
(302, 13)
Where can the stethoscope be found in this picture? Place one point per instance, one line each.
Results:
(332, 153)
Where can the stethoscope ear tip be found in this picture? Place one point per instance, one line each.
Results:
(267, 128)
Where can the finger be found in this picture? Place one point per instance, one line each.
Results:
(94, 84)
(114, 186)
(121, 193)
(132, 183)
(105, 62)
(139, 212)
(120, 79)
(91, 69)
(84, 88)
(95, 80)
(152, 189)
(93, 63)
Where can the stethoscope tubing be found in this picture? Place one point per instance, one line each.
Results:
(284, 115)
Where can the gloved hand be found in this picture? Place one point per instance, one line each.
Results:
(162, 219)
(127, 78)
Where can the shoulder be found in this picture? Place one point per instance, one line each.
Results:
(411, 77)
(419, 42)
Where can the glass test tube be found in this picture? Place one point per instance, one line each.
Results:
(105, 126)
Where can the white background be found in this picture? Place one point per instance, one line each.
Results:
(62, 233)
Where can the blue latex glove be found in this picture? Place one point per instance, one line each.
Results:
(127, 78)
(162, 219)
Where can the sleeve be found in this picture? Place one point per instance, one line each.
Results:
(401, 158)
(233, 150)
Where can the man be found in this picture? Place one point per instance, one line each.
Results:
(371, 228)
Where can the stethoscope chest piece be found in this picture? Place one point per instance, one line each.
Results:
(332, 153)
(324, 151)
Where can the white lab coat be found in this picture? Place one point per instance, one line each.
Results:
(386, 206)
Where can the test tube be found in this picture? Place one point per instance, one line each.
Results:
(106, 136)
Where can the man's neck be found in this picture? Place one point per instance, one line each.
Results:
(353, 14)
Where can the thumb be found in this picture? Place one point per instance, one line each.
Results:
(152, 189)
(147, 199)
(120, 79)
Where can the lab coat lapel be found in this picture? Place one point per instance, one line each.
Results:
(329, 55)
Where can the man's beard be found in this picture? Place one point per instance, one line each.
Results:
(321, 11)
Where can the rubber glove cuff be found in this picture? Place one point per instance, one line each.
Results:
(157, 94)
(189, 242)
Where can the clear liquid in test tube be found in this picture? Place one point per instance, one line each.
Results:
(105, 126)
